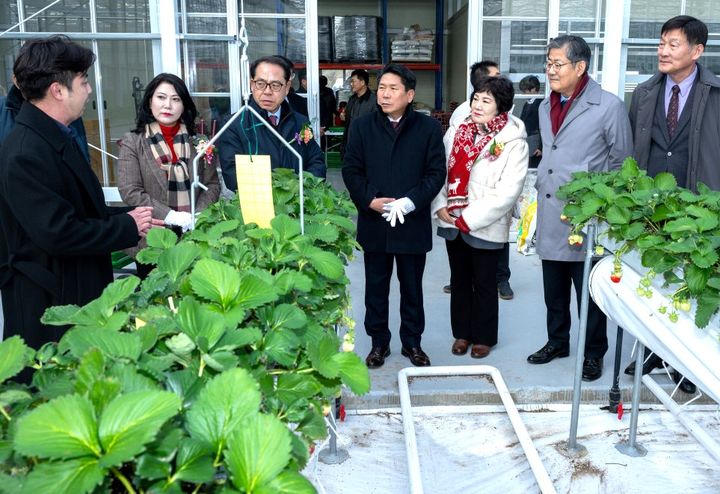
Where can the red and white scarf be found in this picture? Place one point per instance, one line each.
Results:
(470, 140)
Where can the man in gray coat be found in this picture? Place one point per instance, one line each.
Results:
(675, 118)
(582, 128)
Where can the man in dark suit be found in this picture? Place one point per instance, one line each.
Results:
(675, 117)
(270, 83)
(394, 166)
(56, 233)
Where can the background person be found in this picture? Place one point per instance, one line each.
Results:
(529, 115)
(487, 163)
(56, 232)
(394, 167)
(583, 128)
(362, 101)
(270, 83)
(155, 162)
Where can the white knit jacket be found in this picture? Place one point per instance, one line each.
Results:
(494, 186)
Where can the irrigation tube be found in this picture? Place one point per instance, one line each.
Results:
(541, 475)
(710, 444)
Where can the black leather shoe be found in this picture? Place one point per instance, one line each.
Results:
(416, 356)
(652, 362)
(686, 385)
(376, 357)
(547, 354)
(592, 369)
(504, 290)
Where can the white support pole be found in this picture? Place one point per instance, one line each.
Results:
(169, 43)
(312, 65)
(475, 34)
(612, 47)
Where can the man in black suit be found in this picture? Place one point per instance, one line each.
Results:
(394, 166)
(56, 233)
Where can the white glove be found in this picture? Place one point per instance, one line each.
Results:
(404, 203)
(394, 215)
(182, 219)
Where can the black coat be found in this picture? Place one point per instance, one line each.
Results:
(247, 135)
(56, 233)
(380, 162)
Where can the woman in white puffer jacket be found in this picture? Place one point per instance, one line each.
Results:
(487, 160)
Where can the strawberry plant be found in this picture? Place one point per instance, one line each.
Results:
(675, 231)
(212, 375)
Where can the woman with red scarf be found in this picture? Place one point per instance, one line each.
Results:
(487, 160)
(155, 164)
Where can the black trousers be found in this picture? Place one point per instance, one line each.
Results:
(503, 264)
(473, 298)
(378, 272)
(558, 277)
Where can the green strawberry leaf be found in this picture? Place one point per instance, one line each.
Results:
(77, 476)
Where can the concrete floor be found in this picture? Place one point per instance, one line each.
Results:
(522, 331)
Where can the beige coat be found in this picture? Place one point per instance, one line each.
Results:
(494, 185)
(142, 182)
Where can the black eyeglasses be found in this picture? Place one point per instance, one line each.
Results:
(275, 86)
(556, 65)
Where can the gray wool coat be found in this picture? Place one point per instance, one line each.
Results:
(704, 159)
(594, 137)
(141, 182)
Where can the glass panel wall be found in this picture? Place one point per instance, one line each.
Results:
(68, 16)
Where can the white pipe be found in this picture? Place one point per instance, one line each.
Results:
(541, 475)
(710, 444)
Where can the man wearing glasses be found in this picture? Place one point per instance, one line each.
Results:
(269, 84)
(582, 128)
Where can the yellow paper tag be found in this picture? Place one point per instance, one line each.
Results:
(254, 188)
(139, 323)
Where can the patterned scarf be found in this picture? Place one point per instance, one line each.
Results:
(465, 149)
(559, 111)
(178, 177)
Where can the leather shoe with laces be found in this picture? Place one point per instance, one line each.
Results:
(651, 362)
(376, 357)
(686, 385)
(592, 369)
(548, 353)
(416, 356)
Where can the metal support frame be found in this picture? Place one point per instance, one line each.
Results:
(332, 455)
(631, 448)
(572, 448)
(538, 469)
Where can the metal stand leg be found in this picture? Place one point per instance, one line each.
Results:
(631, 448)
(332, 455)
(573, 449)
(615, 394)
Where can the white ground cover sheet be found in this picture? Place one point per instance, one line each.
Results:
(475, 450)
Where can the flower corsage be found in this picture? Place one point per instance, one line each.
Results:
(496, 149)
(202, 146)
(304, 135)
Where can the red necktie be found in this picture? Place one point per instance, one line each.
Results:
(273, 120)
(672, 114)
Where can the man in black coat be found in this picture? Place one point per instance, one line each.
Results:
(394, 166)
(270, 83)
(56, 233)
